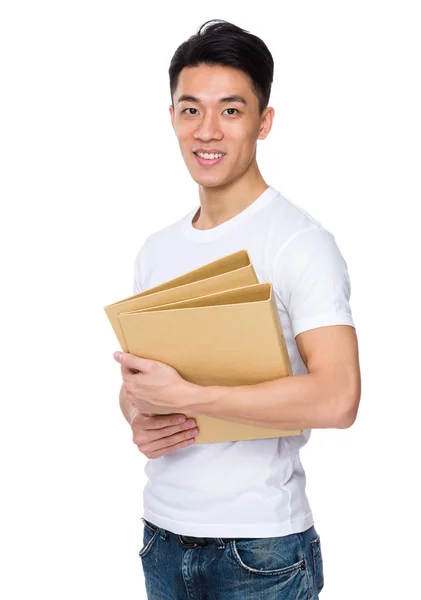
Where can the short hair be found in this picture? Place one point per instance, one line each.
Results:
(218, 42)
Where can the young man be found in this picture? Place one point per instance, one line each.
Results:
(229, 521)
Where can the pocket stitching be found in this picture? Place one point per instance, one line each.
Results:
(318, 572)
(145, 550)
(284, 571)
(152, 530)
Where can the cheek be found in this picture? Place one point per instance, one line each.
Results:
(185, 145)
(240, 138)
(128, 386)
(184, 133)
(244, 149)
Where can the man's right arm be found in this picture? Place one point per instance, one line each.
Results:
(128, 410)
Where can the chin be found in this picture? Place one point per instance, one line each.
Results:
(208, 182)
(208, 179)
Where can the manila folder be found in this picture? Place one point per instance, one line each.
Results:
(230, 338)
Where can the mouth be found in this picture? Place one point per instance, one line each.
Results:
(208, 162)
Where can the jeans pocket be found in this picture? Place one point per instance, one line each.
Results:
(148, 525)
(150, 535)
(317, 563)
(270, 556)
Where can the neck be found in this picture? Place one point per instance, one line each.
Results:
(219, 204)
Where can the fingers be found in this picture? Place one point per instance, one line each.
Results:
(152, 428)
(169, 444)
(131, 363)
(158, 435)
(160, 421)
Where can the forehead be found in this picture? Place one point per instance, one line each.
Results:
(209, 83)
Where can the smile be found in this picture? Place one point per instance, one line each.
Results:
(208, 162)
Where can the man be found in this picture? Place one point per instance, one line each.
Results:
(228, 521)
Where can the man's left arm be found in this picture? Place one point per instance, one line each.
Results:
(327, 396)
(311, 278)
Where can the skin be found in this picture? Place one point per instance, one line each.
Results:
(232, 127)
(328, 396)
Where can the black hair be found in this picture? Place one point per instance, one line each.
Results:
(225, 44)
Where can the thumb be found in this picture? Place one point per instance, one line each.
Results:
(117, 355)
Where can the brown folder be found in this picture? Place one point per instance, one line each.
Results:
(232, 337)
(231, 271)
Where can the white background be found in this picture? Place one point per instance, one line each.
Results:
(90, 166)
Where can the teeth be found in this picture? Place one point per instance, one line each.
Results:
(209, 156)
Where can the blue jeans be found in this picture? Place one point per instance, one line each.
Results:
(278, 568)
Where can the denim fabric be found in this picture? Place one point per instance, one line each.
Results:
(278, 568)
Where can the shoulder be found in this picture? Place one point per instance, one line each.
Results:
(295, 235)
(309, 256)
(292, 217)
(162, 237)
(291, 227)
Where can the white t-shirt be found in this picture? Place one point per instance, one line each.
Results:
(252, 488)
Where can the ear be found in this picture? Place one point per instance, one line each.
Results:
(172, 115)
(266, 122)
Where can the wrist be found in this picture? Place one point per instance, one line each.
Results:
(200, 397)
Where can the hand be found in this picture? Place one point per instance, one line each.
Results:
(156, 436)
(152, 386)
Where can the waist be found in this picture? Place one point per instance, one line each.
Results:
(190, 541)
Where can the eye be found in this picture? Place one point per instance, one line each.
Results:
(192, 108)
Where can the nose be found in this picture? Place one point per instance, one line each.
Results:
(208, 128)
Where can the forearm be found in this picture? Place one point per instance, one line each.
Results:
(127, 408)
(290, 403)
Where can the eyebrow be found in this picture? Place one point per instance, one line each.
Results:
(232, 98)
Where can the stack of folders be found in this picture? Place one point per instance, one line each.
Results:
(216, 325)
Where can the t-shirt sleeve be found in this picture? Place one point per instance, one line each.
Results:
(137, 274)
(311, 277)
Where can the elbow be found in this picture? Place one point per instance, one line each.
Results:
(347, 412)
(347, 421)
(348, 402)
